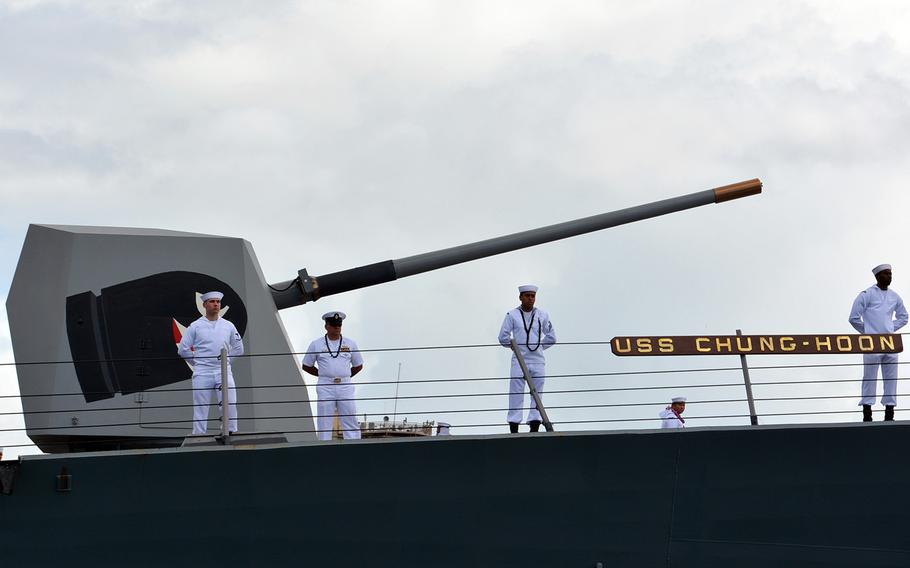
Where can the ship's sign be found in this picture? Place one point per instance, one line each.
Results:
(756, 344)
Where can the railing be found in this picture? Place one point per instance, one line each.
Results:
(586, 389)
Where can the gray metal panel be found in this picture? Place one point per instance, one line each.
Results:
(119, 231)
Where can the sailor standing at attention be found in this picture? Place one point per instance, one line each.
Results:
(334, 359)
(533, 332)
(671, 416)
(879, 310)
(201, 347)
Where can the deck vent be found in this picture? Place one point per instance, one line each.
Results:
(64, 481)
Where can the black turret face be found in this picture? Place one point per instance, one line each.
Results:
(125, 340)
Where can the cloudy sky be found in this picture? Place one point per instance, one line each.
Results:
(336, 134)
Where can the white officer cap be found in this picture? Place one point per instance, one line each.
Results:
(212, 296)
(527, 288)
(881, 267)
(678, 399)
(334, 316)
(443, 428)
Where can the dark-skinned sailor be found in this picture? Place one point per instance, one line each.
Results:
(201, 346)
(334, 359)
(878, 309)
(533, 332)
(671, 416)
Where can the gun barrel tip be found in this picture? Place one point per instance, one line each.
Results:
(737, 190)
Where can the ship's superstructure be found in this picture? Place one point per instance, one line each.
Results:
(386, 428)
(96, 312)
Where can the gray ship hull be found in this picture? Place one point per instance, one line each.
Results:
(792, 496)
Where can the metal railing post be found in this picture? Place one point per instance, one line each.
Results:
(225, 421)
(742, 358)
(534, 394)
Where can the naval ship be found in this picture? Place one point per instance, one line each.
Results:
(121, 485)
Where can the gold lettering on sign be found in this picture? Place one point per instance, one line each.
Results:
(628, 348)
(756, 344)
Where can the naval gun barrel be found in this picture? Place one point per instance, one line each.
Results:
(306, 288)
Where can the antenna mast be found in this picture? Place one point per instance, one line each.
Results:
(397, 384)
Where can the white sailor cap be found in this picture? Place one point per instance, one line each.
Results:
(678, 399)
(881, 267)
(527, 288)
(334, 317)
(442, 428)
(212, 296)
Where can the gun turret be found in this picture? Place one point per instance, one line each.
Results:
(306, 288)
(96, 314)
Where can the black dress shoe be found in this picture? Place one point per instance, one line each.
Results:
(513, 427)
(535, 425)
(889, 414)
(867, 413)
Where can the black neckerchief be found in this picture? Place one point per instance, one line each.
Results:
(337, 353)
(528, 326)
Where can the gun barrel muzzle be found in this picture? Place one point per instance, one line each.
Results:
(737, 190)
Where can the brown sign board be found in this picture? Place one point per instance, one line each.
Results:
(756, 344)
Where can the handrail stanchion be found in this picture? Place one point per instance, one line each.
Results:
(534, 394)
(753, 418)
(225, 405)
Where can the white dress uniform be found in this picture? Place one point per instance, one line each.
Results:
(334, 388)
(670, 419)
(201, 347)
(533, 332)
(878, 311)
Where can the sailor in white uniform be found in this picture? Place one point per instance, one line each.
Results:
(533, 332)
(335, 360)
(201, 347)
(879, 310)
(671, 416)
